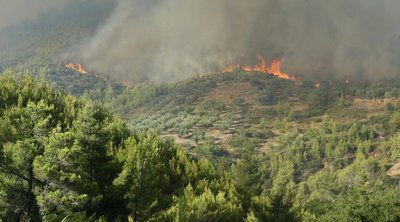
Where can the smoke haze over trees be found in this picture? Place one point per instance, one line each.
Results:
(168, 40)
(14, 11)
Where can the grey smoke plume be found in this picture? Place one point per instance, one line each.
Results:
(166, 40)
(14, 11)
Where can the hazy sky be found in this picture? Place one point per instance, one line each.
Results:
(14, 11)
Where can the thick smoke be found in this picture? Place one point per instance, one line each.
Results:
(14, 11)
(166, 40)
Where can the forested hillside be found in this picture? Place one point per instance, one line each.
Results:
(64, 158)
(67, 158)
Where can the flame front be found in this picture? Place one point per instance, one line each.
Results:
(77, 67)
(273, 69)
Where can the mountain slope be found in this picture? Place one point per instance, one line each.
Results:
(282, 151)
(333, 141)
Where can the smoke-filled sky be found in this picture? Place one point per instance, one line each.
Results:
(166, 40)
(14, 11)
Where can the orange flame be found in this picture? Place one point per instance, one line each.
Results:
(228, 68)
(77, 67)
(247, 68)
(273, 69)
(317, 85)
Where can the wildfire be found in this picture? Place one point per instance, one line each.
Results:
(228, 68)
(77, 67)
(317, 85)
(273, 69)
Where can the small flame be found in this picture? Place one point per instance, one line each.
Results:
(247, 68)
(80, 69)
(273, 69)
(317, 85)
(77, 67)
(228, 68)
